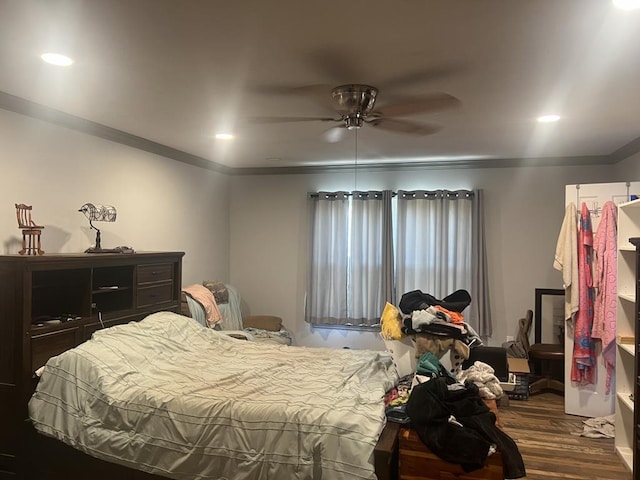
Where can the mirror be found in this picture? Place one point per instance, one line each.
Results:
(549, 315)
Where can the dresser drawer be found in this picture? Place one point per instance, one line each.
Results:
(50, 344)
(155, 273)
(155, 294)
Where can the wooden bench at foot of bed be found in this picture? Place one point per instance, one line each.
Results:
(417, 462)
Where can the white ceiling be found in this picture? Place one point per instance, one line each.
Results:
(176, 72)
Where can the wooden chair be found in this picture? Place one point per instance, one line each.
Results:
(30, 231)
(550, 361)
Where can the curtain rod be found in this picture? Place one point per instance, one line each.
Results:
(405, 194)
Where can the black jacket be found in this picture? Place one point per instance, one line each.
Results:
(466, 440)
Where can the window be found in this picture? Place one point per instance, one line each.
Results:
(367, 248)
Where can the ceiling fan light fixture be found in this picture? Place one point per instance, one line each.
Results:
(353, 122)
(354, 99)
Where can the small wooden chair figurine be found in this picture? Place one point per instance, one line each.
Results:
(30, 231)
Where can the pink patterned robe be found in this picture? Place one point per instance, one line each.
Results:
(583, 364)
(606, 284)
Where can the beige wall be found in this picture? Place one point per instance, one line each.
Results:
(628, 170)
(524, 210)
(251, 230)
(162, 204)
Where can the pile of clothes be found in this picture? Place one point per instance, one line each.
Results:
(450, 417)
(445, 406)
(424, 313)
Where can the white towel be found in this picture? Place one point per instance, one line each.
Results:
(566, 260)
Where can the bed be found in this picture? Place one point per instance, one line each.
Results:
(172, 398)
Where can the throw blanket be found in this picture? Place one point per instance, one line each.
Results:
(167, 396)
(203, 295)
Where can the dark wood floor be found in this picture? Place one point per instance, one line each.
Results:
(546, 438)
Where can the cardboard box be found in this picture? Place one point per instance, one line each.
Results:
(518, 385)
(518, 365)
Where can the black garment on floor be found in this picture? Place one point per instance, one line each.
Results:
(467, 440)
(416, 300)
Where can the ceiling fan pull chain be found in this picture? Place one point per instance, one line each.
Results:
(355, 173)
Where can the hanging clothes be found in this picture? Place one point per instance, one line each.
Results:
(583, 364)
(566, 260)
(606, 285)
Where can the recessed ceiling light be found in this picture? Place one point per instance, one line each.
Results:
(57, 59)
(548, 118)
(224, 136)
(627, 4)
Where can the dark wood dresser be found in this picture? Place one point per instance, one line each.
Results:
(51, 303)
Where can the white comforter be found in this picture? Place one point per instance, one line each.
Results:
(168, 396)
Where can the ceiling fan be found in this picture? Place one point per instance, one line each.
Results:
(355, 106)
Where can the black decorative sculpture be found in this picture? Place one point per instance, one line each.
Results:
(99, 213)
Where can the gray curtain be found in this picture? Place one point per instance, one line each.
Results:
(351, 268)
(439, 248)
(480, 307)
(434, 249)
(327, 270)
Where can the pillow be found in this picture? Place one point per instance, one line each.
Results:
(263, 322)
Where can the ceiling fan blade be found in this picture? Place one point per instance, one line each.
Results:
(426, 103)
(428, 74)
(405, 126)
(334, 134)
(260, 120)
(337, 65)
(320, 93)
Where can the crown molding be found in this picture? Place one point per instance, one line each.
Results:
(57, 117)
(38, 111)
(626, 151)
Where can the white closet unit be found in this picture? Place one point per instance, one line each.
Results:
(627, 318)
(592, 400)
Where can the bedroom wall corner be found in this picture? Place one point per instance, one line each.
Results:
(628, 170)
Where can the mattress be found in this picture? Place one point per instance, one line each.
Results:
(169, 397)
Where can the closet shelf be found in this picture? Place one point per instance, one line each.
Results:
(626, 454)
(629, 297)
(627, 417)
(625, 399)
(630, 348)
